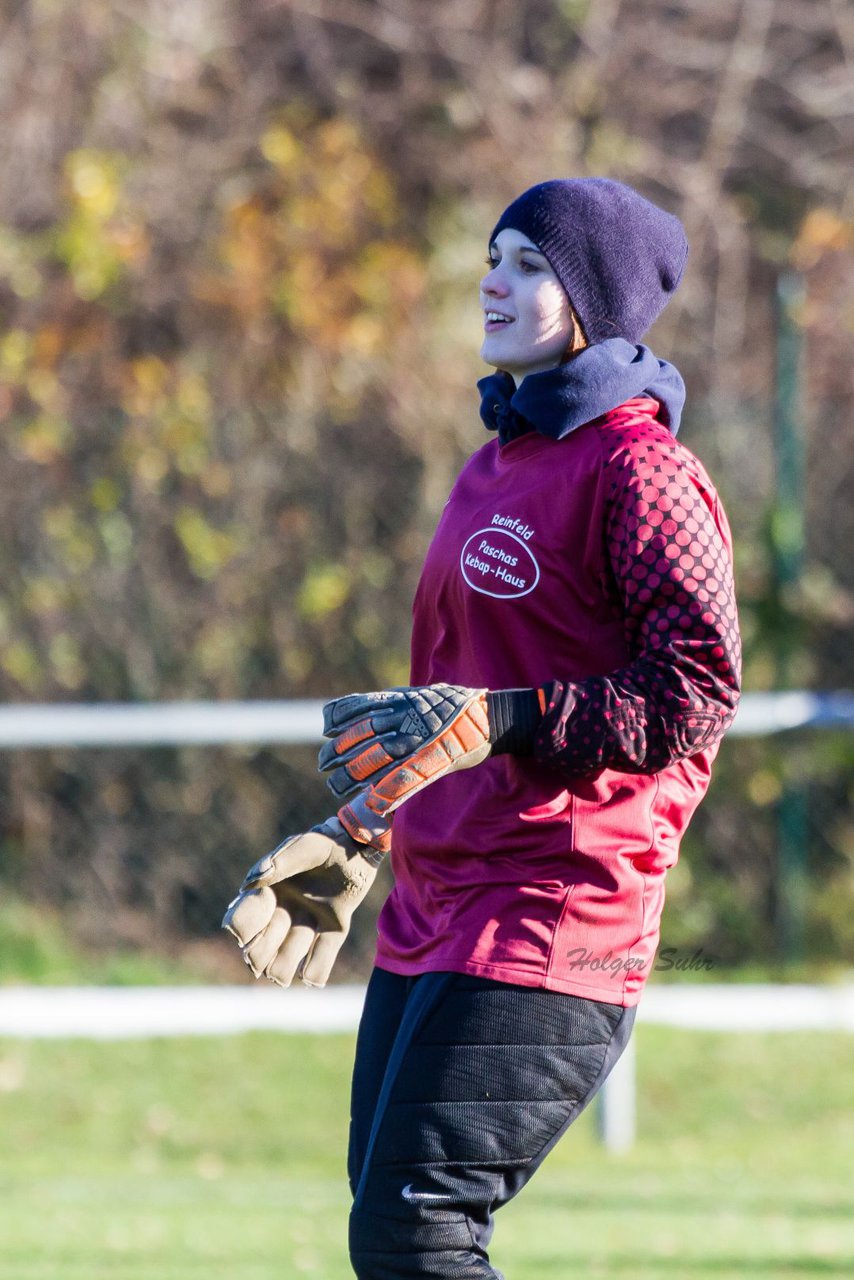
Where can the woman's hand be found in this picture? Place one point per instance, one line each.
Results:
(400, 740)
(294, 907)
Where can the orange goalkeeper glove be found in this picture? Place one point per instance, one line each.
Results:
(398, 741)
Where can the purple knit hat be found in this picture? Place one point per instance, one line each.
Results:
(618, 256)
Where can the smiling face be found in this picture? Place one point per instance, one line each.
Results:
(528, 321)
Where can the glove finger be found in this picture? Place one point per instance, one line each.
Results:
(342, 785)
(342, 713)
(348, 779)
(370, 753)
(317, 967)
(345, 746)
(339, 750)
(296, 946)
(265, 868)
(265, 945)
(249, 913)
(294, 855)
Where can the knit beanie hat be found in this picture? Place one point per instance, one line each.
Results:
(618, 256)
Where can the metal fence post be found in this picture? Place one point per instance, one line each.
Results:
(617, 1103)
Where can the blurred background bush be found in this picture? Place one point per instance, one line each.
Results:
(240, 245)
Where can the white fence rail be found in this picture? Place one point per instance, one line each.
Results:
(119, 1013)
(149, 724)
(209, 723)
(115, 1013)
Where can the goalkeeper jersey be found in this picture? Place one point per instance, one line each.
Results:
(597, 568)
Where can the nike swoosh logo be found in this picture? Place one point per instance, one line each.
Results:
(409, 1194)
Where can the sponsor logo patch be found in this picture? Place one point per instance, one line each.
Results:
(497, 563)
(416, 1196)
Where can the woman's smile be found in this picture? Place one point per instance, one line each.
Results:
(496, 320)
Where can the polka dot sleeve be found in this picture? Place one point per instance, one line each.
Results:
(670, 574)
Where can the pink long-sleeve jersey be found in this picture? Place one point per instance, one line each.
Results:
(596, 568)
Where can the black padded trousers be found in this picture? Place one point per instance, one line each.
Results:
(461, 1087)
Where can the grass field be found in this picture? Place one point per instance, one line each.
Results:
(168, 1159)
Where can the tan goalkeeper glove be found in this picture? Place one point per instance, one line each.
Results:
(294, 907)
(398, 741)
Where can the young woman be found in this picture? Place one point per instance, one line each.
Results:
(575, 663)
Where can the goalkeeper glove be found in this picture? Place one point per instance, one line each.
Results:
(294, 907)
(399, 741)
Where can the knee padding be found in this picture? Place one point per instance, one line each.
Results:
(418, 1244)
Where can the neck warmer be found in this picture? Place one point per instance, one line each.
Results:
(595, 381)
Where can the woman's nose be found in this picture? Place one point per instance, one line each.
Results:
(492, 283)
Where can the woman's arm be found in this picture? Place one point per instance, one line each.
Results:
(671, 575)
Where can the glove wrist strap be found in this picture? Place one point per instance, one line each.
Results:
(514, 715)
(370, 831)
